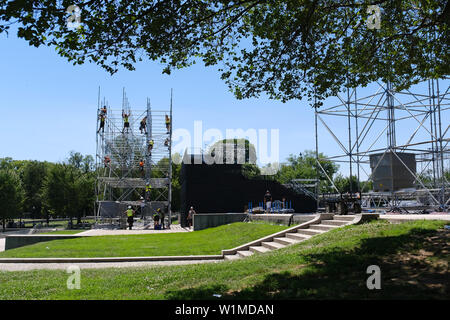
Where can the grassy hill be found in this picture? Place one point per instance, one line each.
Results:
(413, 258)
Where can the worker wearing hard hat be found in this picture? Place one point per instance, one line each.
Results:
(130, 216)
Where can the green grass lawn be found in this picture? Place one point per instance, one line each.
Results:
(208, 241)
(413, 258)
(64, 232)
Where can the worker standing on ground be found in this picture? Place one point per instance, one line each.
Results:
(190, 216)
(142, 205)
(126, 121)
(268, 200)
(130, 217)
(143, 126)
(156, 217)
(163, 216)
(167, 123)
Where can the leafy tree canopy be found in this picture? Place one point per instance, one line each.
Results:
(11, 195)
(304, 166)
(287, 49)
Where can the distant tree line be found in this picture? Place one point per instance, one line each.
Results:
(44, 190)
(41, 190)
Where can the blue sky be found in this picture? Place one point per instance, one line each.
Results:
(48, 106)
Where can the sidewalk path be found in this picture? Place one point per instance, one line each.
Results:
(406, 217)
(98, 265)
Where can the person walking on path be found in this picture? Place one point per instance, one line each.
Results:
(130, 217)
(190, 216)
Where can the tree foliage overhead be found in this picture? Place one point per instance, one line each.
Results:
(287, 49)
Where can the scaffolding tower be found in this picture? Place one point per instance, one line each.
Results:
(365, 126)
(133, 161)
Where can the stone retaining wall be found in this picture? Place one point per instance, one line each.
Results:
(202, 221)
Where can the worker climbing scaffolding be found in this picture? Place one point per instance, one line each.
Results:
(151, 143)
(168, 123)
(126, 121)
(148, 190)
(107, 161)
(102, 118)
(143, 126)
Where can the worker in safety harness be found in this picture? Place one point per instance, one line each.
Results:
(151, 143)
(102, 118)
(167, 123)
(141, 165)
(130, 217)
(143, 126)
(107, 161)
(126, 121)
(148, 189)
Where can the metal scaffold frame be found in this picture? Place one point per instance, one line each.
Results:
(422, 116)
(133, 162)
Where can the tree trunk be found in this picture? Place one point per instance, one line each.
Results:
(4, 224)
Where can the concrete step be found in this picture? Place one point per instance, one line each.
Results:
(310, 232)
(286, 241)
(245, 253)
(320, 227)
(232, 257)
(297, 236)
(336, 223)
(273, 245)
(343, 218)
(259, 249)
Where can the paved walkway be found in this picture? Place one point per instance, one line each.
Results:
(98, 265)
(405, 217)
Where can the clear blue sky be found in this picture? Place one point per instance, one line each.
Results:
(48, 106)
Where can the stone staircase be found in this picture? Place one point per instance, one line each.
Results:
(319, 225)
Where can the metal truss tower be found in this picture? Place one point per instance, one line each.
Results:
(390, 122)
(134, 163)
